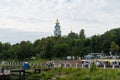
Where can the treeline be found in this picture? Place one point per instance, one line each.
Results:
(59, 47)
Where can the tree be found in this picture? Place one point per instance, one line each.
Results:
(114, 48)
(25, 50)
(61, 50)
(73, 35)
(46, 49)
(95, 44)
(4, 51)
(82, 34)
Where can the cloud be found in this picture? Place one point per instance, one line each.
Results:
(40, 15)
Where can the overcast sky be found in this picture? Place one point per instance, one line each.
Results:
(30, 19)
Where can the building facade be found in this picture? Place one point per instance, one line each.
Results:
(57, 31)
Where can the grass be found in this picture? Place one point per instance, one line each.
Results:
(74, 73)
(79, 74)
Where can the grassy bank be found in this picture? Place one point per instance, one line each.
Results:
(79, 74)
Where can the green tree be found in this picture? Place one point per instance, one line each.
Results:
(46, 50)
(95, 44)
(25, 50)
(82, 34)
(4, 51)
(61, 50)
(114, 48)
(73, 35)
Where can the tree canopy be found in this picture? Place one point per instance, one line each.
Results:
(73, 44)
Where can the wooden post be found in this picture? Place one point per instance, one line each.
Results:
(89, 66)
(104, 66)
(59, 65)
(113, 66)
(65, 65)
(82, 66)
(76, 64)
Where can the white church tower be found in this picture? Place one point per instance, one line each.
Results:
(57, 31)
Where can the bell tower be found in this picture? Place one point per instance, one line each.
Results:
(57, 31)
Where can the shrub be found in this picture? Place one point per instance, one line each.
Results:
(93, 68)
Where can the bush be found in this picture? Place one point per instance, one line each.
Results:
(93, 68)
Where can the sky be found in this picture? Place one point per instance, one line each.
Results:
(35, 19)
